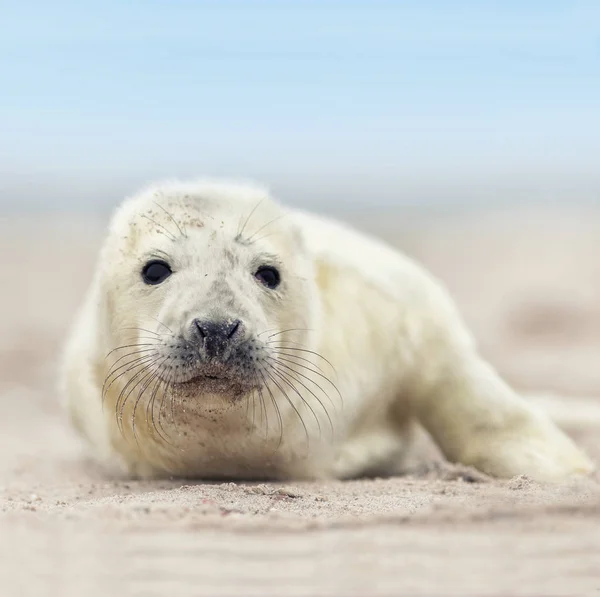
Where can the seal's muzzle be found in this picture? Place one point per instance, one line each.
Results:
(216, 339)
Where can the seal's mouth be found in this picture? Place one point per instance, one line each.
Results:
(212, 371)
(200, 378)
(230, 375)
(223, 381)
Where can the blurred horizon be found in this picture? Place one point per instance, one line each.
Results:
(340, 104)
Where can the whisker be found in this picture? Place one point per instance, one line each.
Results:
(264, 407)
(291, 403)
(160, 408)
(122, 399)
(264, 226)
(129, 354)
(257, 240)
(247, 406)
(316, 373)
(172, 402)
(280, 346)
(259, 404)
(169, 388)
(290, 330)
(264, 415)
(275, 332)
(266, 332)
(151, 404)
(167, 231)
(282, 364)
(276, 406)
(131, 365)
(137, 345)
(285, 378)
(139, 396)
(141, 330)
(280, 358)
(295, 356)
(156, 341)
(150, 408)
(253, 409)
(164, 325)
(312, 394)
(172, 219)
(239, 234)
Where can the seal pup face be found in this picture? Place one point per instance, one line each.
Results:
(210, 280)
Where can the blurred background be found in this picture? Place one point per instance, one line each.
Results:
(466, 133)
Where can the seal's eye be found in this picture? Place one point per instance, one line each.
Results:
(269, 276)
(155, 272)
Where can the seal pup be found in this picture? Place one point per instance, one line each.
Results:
(226, 336)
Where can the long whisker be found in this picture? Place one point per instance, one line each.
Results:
(263, 409)
(291, 403)
(290, 330)
(131, 365)
(142, 330)
(150, 406)
(162, 400)
(139, 396)
(169, 388)
(311, 393)
(172, 401)
(274, 332)
(156, 344)
(306, 350)
(124, 395)
(280, 361)
(151, 403)
(259, 404)
(296, 372)
(136, 345)
(126, 356)
(247, 406)
(280, 358)
(276, 406)
(295, 356)
(253, 409)
(159, 428)
(286, 380)
(266, 332)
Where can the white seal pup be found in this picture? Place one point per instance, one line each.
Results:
(225, 336)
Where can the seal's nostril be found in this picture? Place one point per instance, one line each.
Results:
(234, 328)
(216, 331)
(200, 329)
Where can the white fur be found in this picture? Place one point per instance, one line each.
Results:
(403, 359)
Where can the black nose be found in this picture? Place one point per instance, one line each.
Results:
(217, 336)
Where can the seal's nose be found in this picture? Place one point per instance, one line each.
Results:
(217, 336)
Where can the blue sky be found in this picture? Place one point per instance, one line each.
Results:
(345, 101)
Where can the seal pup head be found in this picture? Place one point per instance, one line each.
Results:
(202, 282)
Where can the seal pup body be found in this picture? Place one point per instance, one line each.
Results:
(225, 336)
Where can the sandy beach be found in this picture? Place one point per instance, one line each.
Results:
(527, 282)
